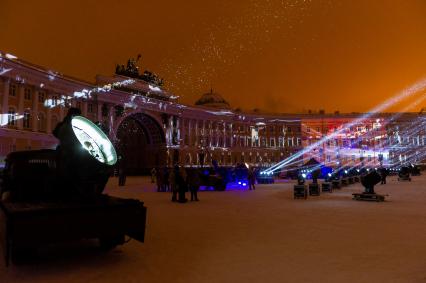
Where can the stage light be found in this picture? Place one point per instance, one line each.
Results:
(407, 92)
(239, 183)
(304, 175)
(244, 184)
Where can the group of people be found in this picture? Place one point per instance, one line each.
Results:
(178, 181)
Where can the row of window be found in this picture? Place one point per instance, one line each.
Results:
(352, 158)
(237, 128)
(13, 89)
(27, 93)
(13, 117)
(242, 141)
(398, 140)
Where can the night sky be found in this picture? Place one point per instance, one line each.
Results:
(275, 55)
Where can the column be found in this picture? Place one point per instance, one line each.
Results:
(99, 112)
(20, 111)
(48, 116)
(196, 133)
(35, 111)
(210, 133)
(61, 110)
(217, 133)
(178, 129)
(5, 101)
(231, 137)
(224, 134)
(84, 110)
(170, 129)
(188, 132)
(111, 118)
(204, 134)
(182, 131)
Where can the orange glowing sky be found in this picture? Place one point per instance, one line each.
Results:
(276, 55)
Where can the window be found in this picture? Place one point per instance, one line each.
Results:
(280, 142)
(12, 90)
(11, 117)
(242, 141)
(27, 120)
(41, 96)
(90, 107)
(27, 94)
(272, 142)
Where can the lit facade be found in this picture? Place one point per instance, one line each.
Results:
(151, 128)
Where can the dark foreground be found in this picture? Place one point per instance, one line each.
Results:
(255, 236)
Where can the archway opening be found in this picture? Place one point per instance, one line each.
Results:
(141, 144)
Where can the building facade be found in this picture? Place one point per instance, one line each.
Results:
(149, 126)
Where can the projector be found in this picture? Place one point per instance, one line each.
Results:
(77, 169)
(55, 195)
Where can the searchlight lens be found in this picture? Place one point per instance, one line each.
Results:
(94, 140)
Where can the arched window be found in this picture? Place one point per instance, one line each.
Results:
(11, 117)
(41, 122)
(27, 120)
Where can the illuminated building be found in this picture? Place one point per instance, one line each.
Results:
(151, 128)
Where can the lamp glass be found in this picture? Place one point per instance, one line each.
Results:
(94, 140)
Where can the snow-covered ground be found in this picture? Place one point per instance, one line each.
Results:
(256, 236)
